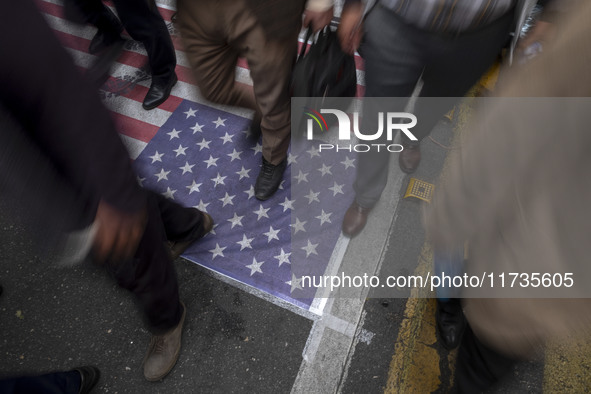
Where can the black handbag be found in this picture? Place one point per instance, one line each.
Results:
(323, 73)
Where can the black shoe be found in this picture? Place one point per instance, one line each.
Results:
(159, 92)
(451, 322)
(269, 179)
(89, 377)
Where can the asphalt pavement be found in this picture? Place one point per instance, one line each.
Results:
(56, 318)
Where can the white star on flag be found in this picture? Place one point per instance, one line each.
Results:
(250, 192)
(283, 257)
(234, 155)
(348, 163)
(204, 144)
(190, 112)
(218, 251)
(236, 220)
(174, 134)
(258, 148)
(312, 196)
(245, 243)
(313, 152)
(187, 168)
(325, 169)
(226, 138)
(324, 217)
(198, 128)
(287, 204)
(169, 193)
(162, 175)
(218, 180)
(180, 150)
(310, 248)
(227, 200)
(202, 206)
(299, 226)
(211, 161)
(243, 173)
(295, 283)
(194, 187)
(301, 177)
(255, 266)
(219, 122)
(272, 234)
(261, 212)
(156, 157)
(336, 189)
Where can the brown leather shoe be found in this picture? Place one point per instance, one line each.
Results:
(355, 219)
(163, 352)
(177, 248)
(410, 157)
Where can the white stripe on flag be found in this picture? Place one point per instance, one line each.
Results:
(134, 146)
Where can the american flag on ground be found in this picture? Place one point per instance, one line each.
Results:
(199, 154)
(203, 157)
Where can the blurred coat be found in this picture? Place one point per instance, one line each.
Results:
(519, 190)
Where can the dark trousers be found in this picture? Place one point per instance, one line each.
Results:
(150, 275)
(396, 55)
(479, 367)
(51, 383)
(143, 23)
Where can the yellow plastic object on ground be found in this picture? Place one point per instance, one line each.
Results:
(419, 189)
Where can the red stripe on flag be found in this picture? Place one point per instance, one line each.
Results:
(51, 9)
(135, 128)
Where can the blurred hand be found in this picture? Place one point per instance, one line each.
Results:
(317, 20)
(349, 31)
(118, 233)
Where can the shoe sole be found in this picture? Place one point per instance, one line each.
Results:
(176, 355)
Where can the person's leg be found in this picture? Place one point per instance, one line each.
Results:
(79, 380)
(145, 24)
(271, 63)
(270, 60)
(151, 277)
(179, 222)
(183, 226)
(455, 66)
(97, 14)
(479, 367)
(211, 55)
(450, 319)
(394, 62)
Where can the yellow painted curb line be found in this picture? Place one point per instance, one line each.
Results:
(415, 365)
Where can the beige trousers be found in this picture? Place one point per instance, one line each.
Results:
(215, 34)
